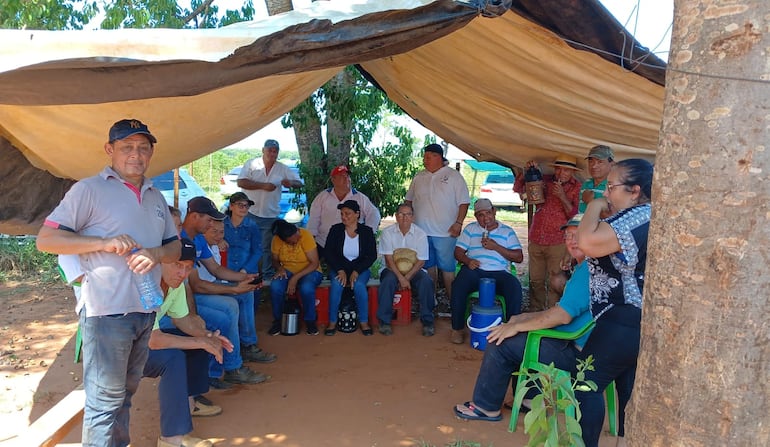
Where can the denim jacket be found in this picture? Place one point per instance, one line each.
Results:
(245, 242)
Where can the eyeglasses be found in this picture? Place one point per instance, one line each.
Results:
(241, 204)
(610, 186)
(404, 214)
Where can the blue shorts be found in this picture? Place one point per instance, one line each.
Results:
(441, 253)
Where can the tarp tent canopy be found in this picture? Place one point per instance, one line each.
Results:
(501, 80)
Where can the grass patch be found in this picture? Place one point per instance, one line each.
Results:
(21, 260)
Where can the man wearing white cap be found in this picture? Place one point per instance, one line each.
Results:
(546, 247)
(486, 249)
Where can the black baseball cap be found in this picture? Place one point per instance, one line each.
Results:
(204, 205)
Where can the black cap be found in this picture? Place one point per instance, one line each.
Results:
(435, 148)
(188, 250)
(204, 205)
(350, 204)
(127, 127)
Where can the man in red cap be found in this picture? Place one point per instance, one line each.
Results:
(324, 212)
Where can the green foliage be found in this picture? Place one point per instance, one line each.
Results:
(20, 259)
(46, 14)
(456, 443)
(383, 173)
(549, 423)
(75, 14)
(351, 103)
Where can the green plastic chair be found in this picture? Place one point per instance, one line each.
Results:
(531, 362)
(78, 335)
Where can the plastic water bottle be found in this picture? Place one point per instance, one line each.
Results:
(150, 293)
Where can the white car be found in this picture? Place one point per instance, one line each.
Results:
(498, 188)
(188, 188)
(228, 183)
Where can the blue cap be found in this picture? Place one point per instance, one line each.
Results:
(127, 127)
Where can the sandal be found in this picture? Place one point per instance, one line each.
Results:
(367, 332)
(477, 415)
(330, 331)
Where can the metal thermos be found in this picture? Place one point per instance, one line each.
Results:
(290, 319)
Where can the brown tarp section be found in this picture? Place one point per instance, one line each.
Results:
(504, 88)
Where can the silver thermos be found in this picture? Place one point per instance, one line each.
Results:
(290, 319)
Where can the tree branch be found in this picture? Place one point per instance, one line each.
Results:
(197, 11)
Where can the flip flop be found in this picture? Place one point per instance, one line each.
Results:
(478, 414)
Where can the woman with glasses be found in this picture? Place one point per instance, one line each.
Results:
(616, 248)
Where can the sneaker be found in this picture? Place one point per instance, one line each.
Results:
(428, 330)
(311, 328)
(219, 384)
(244, 375)
(252, 353)
(204, 407)
(385, 329)
(457, 337)
(275, 328)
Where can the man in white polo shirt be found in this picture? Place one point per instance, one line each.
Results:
(440, 198)
(261, 180)
(118, 223)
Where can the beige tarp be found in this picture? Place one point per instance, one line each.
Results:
(503, 88)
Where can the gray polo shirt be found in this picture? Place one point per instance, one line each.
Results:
(107, 206)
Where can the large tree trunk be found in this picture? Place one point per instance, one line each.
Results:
(339, 122)
(704, 368)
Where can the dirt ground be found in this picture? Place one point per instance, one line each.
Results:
(345, 390)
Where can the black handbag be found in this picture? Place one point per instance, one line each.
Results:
(347, 315)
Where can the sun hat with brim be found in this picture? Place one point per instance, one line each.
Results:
(573, 222)
(565, 161)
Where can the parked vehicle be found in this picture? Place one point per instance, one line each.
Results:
(188, 188)
(498, 188)
(228, 183)
(289, 211)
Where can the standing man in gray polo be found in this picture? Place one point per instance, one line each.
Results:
(261, 180)
(117, 223)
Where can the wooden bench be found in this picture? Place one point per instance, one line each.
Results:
(50, 428)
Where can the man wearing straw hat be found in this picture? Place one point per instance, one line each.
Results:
(546, 244)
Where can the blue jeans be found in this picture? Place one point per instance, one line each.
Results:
(247, 329)
(114, 352)
(182, 373)
(614, 344)
(360, 293)
(305, 287)
(421, 284)
(221, 313)
(501, 361)
(467, 281)
(265, 225)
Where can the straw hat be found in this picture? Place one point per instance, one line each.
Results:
(405, 258)
(565, 161)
